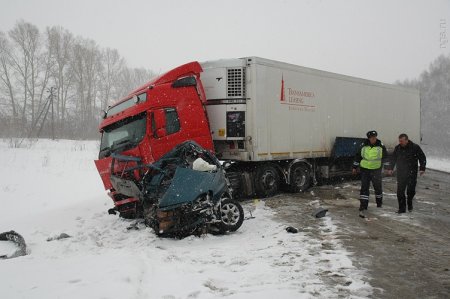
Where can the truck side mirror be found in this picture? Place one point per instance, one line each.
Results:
(160, 123)
(160, 132)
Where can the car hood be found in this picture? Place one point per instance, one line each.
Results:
(188, 185)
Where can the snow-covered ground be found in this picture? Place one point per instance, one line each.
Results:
(438, 164)
(52, 187)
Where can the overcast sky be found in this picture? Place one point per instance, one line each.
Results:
(381, 40)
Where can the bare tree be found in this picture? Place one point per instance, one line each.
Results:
(83, 78)
(113, 65)
(130, 78)
(60, 41)
(86, 65)
(25, 60)
(7, 83)
(434, 86)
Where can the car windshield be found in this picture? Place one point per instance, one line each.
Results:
(124, 133)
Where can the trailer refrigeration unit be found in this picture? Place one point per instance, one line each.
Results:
(277, 125)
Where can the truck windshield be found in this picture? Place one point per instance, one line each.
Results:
(126, 133)
(140, 98)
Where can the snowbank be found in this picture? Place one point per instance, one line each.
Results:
(438, 164)
(53, 187)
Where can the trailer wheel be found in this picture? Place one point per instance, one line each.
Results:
(300, 179)
(267, 181)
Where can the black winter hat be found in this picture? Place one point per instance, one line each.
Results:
(372, 133)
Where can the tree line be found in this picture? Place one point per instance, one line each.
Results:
(55, 84)
(434, 87)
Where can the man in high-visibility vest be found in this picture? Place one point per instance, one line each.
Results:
(370, 160)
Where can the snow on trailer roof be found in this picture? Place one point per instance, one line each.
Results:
(244, 61)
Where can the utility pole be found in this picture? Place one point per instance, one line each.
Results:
(45, 108)
(48, 104)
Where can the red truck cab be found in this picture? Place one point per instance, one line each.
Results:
(152, 120)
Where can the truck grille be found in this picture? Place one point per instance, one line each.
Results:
(236, 83)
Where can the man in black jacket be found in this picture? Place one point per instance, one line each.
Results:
(369, 159)
(405, 156)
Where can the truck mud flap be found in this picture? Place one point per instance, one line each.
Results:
(241, 183)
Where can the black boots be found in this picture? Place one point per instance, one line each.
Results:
(362, 207)
(379, 200)
(402, 206)
(362, 214)
(363, 204)
(410, 205)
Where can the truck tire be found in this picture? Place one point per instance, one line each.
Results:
(267, 180)
(300, 178)
(231, 214)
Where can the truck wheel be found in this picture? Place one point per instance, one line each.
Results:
(267, 181)
(300, 178)
(231, 214)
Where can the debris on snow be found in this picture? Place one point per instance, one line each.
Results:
(58, 237)
(18, 240)
(291, 230)
(320, 212)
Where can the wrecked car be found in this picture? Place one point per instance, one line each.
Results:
(185, 192)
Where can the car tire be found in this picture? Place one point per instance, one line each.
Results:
(231, 215)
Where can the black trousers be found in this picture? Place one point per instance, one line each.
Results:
(367, 176)
(406, 182)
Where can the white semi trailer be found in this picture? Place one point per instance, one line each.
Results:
(286, 125)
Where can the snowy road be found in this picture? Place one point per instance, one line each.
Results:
(406, 256)
(53, 187)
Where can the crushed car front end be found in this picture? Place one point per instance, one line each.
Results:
(185, 192)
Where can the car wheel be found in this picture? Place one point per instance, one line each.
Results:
(231, 215)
